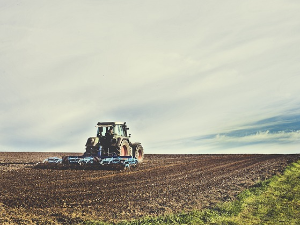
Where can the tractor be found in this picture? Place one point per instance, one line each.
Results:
(113, 140)
(109, 149)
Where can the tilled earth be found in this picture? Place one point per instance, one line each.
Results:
(162, 184)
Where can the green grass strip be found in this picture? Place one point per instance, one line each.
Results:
(274, 201)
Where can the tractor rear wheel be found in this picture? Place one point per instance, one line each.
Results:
(125, 149)
(139, 152)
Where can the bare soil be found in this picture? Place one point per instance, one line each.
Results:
(162, 184)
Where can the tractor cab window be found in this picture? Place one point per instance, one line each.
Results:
(100, 131)
(119, 130)
(109, 130)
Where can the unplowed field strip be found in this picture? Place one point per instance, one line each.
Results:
(162, 184)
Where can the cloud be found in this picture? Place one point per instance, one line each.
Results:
(281, 133)
(260, 137)
(173, 71)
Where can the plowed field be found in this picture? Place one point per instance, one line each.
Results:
(161, 185)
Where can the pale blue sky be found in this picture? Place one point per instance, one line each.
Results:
(186, 76)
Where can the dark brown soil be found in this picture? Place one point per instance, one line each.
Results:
(162, 184)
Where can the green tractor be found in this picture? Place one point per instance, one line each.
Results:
(113, 140)
(110, 149)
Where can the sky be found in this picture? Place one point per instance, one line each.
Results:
(188, 77)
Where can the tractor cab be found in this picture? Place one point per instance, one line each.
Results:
(111, 139)
(112, 128)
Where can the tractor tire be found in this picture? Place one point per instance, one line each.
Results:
(138, 152)
(125, 149)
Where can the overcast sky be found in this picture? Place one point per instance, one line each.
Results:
(187, 76)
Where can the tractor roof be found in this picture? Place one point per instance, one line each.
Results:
(105, 124)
